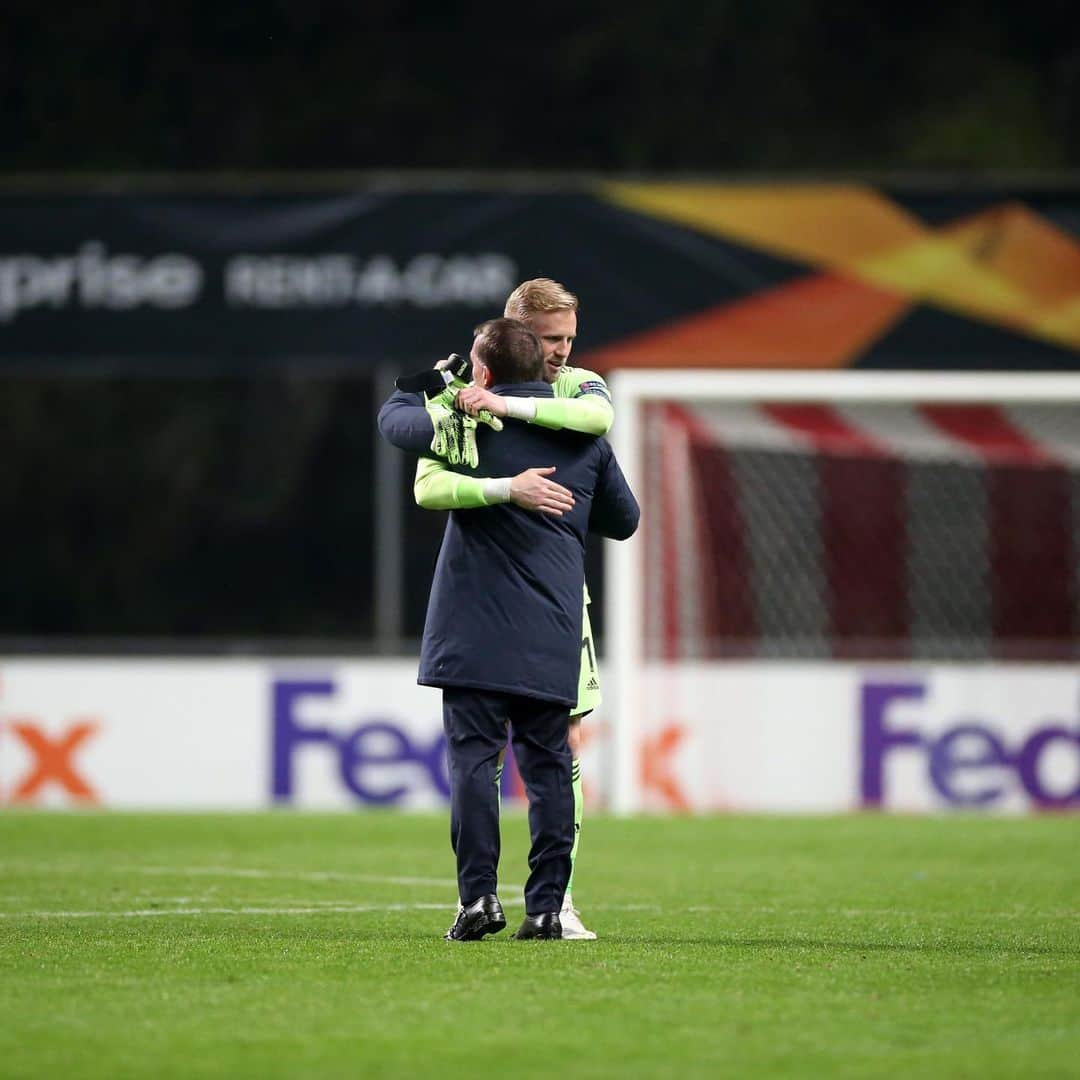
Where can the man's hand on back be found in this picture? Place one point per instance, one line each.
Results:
(532, 490)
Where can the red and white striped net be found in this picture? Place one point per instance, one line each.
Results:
(862, 531)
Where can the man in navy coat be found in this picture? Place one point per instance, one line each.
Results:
(502, 635)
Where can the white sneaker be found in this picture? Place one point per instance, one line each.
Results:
(573, 929)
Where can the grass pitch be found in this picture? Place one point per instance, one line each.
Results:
(309, 945)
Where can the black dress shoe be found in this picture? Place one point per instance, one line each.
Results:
(540, 927)
(483, 916)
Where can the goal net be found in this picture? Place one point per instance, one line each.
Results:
(858, 517)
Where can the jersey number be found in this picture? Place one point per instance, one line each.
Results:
(586, 644)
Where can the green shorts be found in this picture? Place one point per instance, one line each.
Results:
(589, 678)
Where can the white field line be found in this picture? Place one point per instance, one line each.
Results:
(344, 908)
(334, 909)
(290, 875)
(315, 907)
(254, 873)
(874, 913)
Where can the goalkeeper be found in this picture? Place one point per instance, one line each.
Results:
(581, 403)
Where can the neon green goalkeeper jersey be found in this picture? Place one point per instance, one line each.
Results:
(582, 402)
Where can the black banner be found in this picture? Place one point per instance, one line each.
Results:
(362, 279)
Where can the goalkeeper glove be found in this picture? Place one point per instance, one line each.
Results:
(451, 372)
(455, 371)
(455, 435)
(442, 382)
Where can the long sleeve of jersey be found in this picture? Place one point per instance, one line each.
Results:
(438, 488)
(590, 414)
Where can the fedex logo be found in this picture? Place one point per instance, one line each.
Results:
(51, 764)
(376, 760)
(972, 762)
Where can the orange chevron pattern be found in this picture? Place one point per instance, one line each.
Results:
(818, 322)
(1006, 266)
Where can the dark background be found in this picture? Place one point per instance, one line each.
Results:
(222, 511)
(808, 85)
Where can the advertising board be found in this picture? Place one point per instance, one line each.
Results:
(340, 734)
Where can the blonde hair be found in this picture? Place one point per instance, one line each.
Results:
(538, 296)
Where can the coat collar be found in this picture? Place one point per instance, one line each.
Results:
(523, 389)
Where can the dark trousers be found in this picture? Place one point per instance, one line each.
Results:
(476, 722)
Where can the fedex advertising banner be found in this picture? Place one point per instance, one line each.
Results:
(340, 734)
(829, 737)
(228, 734)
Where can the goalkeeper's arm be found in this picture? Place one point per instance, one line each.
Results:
(438, 488)
(590, 413)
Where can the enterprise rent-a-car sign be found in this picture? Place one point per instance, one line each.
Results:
(93, 279)
(366, 277)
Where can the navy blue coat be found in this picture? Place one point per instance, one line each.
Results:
(404, 422)
(505, 607)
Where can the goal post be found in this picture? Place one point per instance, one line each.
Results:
(787, 470)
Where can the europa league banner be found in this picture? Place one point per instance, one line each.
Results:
(680, 275)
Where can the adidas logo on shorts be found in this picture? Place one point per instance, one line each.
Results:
(592, 684)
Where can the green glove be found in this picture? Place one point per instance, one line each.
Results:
(454, 371)
(455, 434)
